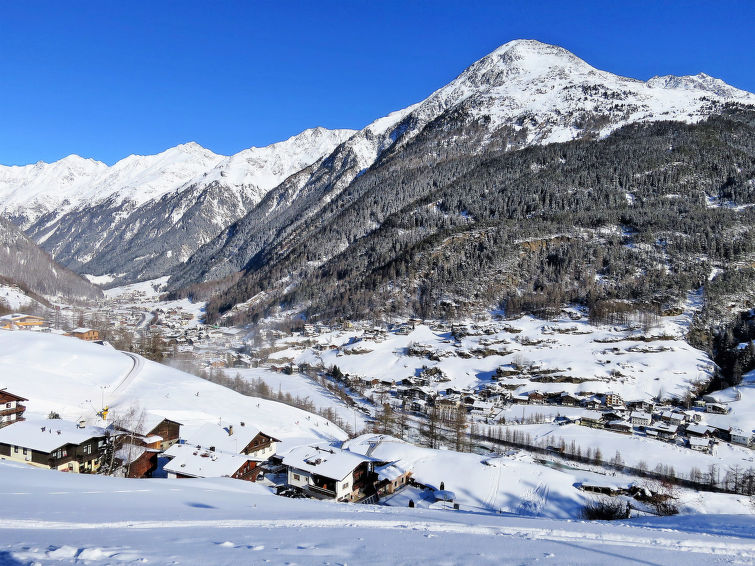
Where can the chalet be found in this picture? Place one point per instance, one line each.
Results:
(238, 438)
(664, 430)
(592, 402)
(536, 398)
(153, 430)
(569, 400)
(740, 436)
(673, 417)
(592, 419)
(612, 400)
(640, 405)
(20, 321)
(325, 472)
(390, 478)
(84, 334)
(54, 443)
(11, 408)
(699, 444)
(190, 461)
(699, 430)
(137, 460)
(640, 418)
(620, 426)
(716, 408)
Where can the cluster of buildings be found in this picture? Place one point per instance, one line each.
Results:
(139, 446)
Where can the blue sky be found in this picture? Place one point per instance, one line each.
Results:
(107, 79)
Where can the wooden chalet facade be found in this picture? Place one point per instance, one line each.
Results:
(55, 444)
(326, 472)
(85, 334)
(189, 461)
(11, 408)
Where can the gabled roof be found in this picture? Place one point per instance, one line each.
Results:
(325, 460)
(188, 460)
(8, 396)
(218, 436)
(46, 435)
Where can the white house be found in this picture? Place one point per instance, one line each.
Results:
(326, 472)
(739, 436)
(640, 418)
(699, 444)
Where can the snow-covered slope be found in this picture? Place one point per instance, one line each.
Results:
(27, 268)
(74, 378)
(54, 518)
(163, 206)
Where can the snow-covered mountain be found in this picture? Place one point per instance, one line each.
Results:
(29, 274)
(524, 93)
(146, 213)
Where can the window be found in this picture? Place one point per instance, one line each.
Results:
(346, 485)
(7, 406)
(297, 477)
(24, 451)
(87, 449)
(15, 449)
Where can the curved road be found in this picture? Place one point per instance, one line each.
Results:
(138, 362)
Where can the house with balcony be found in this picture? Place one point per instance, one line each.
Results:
(192, 461)
(11, 408)
(54, 443)
(234, 438)
(325, 472)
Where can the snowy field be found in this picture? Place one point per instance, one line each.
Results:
(514, 483)
(636, 449)
(54, 518)
(299, 385)
(741, 402)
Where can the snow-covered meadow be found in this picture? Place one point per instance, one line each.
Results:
(54, 518)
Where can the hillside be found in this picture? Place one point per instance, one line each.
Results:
(34, 273)
(36, 366)
(476, 197)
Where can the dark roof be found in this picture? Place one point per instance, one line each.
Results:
(8, 396)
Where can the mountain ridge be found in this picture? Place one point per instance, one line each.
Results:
(523, 93)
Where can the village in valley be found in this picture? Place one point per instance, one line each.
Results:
(623, 407)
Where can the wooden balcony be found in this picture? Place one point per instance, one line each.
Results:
(19, 408)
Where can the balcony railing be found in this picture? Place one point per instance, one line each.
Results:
(321, 491)
(17, 409)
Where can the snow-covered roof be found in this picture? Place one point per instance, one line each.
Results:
(698, 428)
(81, 330)
(324, 460)
(188, 460)
(46, 435)
(213, 434)
(641, 415)
(390, 472)
(695, 441)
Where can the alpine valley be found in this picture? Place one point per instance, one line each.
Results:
(529, 295)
